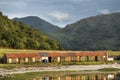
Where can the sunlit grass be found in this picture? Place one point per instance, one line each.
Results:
(3, 51)
(113, 52)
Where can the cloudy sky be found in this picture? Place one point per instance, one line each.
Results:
(58, 12)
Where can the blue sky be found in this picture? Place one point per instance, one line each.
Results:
(58, 12)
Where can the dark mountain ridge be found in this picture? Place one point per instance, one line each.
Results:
(101, 32)
(38, 23)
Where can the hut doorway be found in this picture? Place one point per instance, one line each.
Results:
(49, 59)
(96, 58)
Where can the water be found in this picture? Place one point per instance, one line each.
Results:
(97, 76)
(102, 76)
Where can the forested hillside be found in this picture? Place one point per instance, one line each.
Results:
(20, 36)
(101, 32)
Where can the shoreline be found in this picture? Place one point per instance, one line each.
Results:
(81, 68)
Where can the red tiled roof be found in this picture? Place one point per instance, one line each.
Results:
(22, 55)
(76, 53)
(57, 54)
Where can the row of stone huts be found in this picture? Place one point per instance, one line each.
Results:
(55, 56)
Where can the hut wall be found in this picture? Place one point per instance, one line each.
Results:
(26, 60)
(68, 78)
(9, 60)
(68, 59)
(100, 58)
(17, 60)
(78, 58)
(82, 58)
(22, 60)
(29, 59)
(92, 58)
(44, 58)
(92, 77)
(38, 59)
(63, 59)
(52, 59)
(33, 59)
(55, 59)
(12, 60)
(83, 77)
(74, 59)
(78, 77)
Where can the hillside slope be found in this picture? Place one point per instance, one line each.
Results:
(38, 23)
(20, 36)
(101, 32)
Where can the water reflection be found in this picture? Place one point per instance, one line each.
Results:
(82, 77)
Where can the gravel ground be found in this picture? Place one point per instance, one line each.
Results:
(61, 68)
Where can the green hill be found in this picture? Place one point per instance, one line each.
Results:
(101, 32)
(20, 36)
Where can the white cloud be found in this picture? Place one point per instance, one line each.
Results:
(105, 11)
(60, 16)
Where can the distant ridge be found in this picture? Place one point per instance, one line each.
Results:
(101, 32)
(38, 23)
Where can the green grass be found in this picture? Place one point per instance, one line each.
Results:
(3, 51)
(82, 63)
(54, 64)
(109, 69)
(26, 65)
(113, 52)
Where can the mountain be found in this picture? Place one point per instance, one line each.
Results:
(101, 32)
(17, 35)
(38, 23)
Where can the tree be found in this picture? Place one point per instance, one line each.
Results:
(0, 13)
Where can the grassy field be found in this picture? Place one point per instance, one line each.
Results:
(109, 69)
(113, 52)
(26, 65)
(82, 63)
(54, 64)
